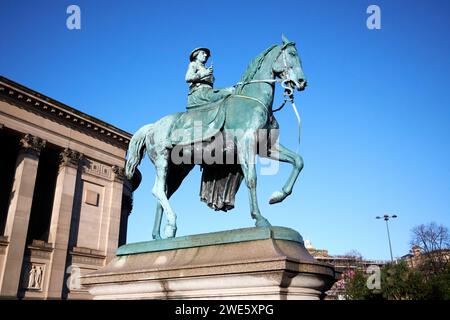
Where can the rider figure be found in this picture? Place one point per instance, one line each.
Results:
(201, 81)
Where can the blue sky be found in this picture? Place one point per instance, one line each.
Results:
(375, 114)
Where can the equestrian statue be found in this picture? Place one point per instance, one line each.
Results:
(222, 130)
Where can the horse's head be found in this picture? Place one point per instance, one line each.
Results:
(288, 66)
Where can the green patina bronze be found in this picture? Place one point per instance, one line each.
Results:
(243, 115)
(213, 238)
(201, 81)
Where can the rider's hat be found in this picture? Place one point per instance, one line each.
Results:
(191, 56)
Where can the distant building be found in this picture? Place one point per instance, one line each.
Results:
(343, 265)
(64, 202)
(414, 258)
(417, 257)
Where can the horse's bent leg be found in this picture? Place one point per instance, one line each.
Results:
(157, 224)
(283, 154)
(247, 160)
(160, 193)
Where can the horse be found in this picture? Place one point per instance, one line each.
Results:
(250, 107)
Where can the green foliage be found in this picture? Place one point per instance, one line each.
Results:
(428, 279)
(400, 282)
(355, 286)
(439, 286)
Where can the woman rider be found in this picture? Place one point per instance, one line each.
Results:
(201, 81)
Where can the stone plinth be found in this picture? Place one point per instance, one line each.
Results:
(253, 263)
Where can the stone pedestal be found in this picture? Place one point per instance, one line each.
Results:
(252, 263)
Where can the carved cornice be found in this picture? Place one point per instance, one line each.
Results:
(87, 256)
(31, 144)
(40, 249)
(119, 173)
(38, 103)
(69, 157)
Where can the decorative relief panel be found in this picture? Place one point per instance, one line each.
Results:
(34, 276)
(97, 169)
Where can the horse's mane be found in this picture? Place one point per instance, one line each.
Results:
(253, 67)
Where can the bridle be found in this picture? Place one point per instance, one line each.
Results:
(288, 91)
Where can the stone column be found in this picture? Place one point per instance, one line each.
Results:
(61, 218)
(19, 213)
(115, 211)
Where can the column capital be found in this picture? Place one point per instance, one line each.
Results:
(31, 144)
(69, 157)
(119, 173)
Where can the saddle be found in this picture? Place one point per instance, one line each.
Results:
(198, 124)
(219, 182)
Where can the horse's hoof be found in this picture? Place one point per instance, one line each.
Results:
(156, 237)
(170, 231)
(262, 222)
(277, 196)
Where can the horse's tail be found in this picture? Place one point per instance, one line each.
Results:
(136, 149)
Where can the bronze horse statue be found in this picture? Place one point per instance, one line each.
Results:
(245, 118)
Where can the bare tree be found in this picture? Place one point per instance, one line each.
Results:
(434, 243)
(355, 254)
(351, 260)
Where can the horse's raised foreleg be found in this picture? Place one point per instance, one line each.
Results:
(283, 154)
(246, 156)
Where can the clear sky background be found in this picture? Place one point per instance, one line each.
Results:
(375, 114)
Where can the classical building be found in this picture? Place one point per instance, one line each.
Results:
(64, 202)
(343, 265)
(435, 259)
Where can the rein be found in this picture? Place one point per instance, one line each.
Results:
(251, 98)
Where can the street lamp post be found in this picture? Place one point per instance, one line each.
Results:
(386, 218)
